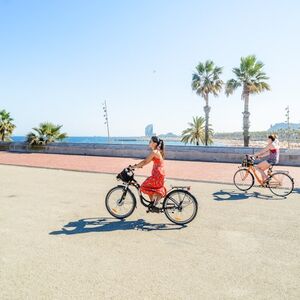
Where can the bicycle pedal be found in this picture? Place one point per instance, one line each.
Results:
(153, 210)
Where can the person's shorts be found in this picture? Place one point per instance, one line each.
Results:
(272, 161)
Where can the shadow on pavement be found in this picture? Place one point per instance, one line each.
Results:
(110, 224)
(233, 195)
(296, 191)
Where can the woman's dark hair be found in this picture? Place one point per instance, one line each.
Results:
(160, 145)
(273, 137)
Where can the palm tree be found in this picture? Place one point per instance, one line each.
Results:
(196, 132)
(46, 133)
(251, 78)
(6, 126)
(207, 81)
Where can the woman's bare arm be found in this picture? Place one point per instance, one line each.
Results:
(264, 152)
(145, 161)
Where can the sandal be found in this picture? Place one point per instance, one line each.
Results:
(153, 208)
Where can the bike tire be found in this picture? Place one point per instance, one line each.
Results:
(237, 177)
(170, 207)
(283, 190)
(116, 210)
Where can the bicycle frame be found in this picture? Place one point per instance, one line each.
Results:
(137, 186)
(251, 169)
(146, 202)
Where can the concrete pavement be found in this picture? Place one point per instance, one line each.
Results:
(57, 241)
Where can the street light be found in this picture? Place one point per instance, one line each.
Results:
(105, 115)
(287, 109)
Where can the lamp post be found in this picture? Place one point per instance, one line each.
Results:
(287, 109)
(106, 119)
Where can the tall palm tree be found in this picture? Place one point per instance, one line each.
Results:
(46, 133)
(6, 126)
(250, 76)
(207, 81)
(196, 132)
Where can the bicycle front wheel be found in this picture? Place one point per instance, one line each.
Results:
(180, 207)
(281, 184)
(243, 179)
(120, 202)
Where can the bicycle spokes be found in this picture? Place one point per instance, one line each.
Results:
(243, 179)
(121, 206)
(277, 180)
(180, 207)
(244, 175)
(281, 184)
(120, 202)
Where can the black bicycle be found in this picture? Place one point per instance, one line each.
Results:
(179, 205)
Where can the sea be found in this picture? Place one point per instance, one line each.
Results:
(114, 140)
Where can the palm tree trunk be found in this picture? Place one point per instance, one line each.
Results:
(246, 122)
(206, 111)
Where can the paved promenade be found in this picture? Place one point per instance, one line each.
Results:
(199, 171)
(57, 241)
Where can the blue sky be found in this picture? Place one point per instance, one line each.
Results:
(60, 59)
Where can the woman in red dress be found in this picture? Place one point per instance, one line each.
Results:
(154, 185)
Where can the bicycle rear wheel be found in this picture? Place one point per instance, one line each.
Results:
(180, 207)
(120, 202)
(281, 184)
(243, 179)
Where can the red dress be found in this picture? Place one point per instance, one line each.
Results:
(155, 183)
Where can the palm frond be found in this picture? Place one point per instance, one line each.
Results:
(231, 86)
(6, 125)
(250, 75)
(47, 132)
(195, 133)
(207, 79)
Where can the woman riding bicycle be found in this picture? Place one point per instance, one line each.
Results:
(154, 185)
(178, 205)
(272, 151)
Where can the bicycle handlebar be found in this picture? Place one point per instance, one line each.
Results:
(254, 157)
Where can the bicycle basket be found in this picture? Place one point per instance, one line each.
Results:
(126, 175)
(248, 161)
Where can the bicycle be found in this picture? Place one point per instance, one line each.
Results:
(179, 205)
(280, 183)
